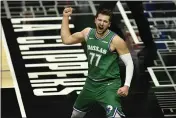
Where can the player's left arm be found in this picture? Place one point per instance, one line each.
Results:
(125, 55)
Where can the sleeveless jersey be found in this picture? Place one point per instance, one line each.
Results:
(102, 63)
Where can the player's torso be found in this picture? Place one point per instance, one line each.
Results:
(102, 62)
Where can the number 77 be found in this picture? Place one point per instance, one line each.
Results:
(93, 55)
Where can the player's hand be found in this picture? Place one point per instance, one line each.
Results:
(67, 11)
(123, 91)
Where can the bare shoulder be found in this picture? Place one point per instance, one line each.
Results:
(86, 30)
(120, 45)
(118, 41)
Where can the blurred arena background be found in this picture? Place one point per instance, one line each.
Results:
(41, 77)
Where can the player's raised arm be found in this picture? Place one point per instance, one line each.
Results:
(66, 36)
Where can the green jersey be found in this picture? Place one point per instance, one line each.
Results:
(102, 63)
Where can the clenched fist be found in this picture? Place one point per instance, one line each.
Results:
(123, 91)
(67, 11)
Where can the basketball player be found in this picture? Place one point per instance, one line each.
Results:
(104, 47)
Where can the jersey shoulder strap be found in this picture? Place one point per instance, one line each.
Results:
(89, 33)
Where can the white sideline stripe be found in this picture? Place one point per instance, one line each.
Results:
(168, 85)
(165, 92)
(164, 95)
(170, 115)
(39, 27)
(167, 99)
(127, 22)
(163, 67)
(153, 76)
(157, 19)
(51, 51)
(139, 42)
(16, 20)
(41, 37)
(17, 90)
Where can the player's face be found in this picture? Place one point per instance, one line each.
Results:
(102, 23)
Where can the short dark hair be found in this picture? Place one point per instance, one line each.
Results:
(107, 12)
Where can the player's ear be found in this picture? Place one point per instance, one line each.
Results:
(95, 20)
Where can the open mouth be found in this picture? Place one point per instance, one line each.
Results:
(100, 27)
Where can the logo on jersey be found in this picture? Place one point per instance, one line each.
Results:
(91, 38)
(97, 49)
(109, 108)
(104, 41)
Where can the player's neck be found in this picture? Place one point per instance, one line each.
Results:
(102, 35)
